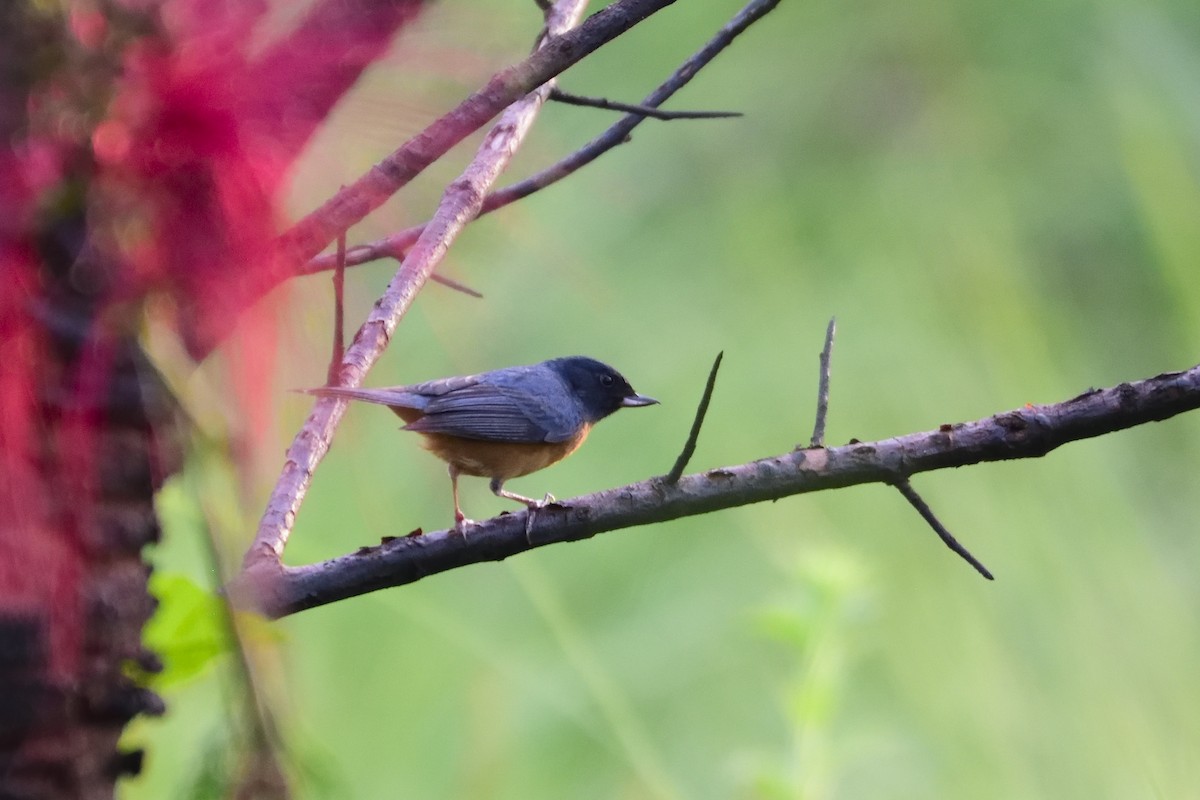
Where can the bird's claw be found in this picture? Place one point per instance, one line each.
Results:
(538, 505)
(534, 507)
(461, 524)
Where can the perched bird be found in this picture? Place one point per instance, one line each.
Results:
(505, 423)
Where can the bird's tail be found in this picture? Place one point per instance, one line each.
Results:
(393, 396)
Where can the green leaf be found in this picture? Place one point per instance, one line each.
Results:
(189, 629)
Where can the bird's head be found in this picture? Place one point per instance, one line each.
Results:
(601, 388)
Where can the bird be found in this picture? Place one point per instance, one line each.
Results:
(505, 423)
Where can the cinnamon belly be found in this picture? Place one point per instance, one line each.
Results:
(501, 460)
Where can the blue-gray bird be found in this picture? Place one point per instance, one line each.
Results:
(505, 423)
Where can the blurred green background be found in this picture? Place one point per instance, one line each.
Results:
(999, 201)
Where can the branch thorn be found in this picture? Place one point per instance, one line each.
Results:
(915, 500)
(339, 312)
(818, 436)
(689, 446)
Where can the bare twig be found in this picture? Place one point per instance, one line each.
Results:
(689, 447)
(562, 49)
(460, 203)
(339, 311)
(917, 502)
(396, 244)
(559, 96)
(455, 285)
(818, 437)
(1027, 432)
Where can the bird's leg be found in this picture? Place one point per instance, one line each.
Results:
(497, 487)
(461, 523)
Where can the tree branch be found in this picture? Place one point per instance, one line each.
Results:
(557, 52)
(395, 245)
(460, 203)
(1027, 432)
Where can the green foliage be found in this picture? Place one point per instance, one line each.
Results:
(188, 630)
(816, 627)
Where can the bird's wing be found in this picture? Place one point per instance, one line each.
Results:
(502, 406)
(416, 396)
(442, 386)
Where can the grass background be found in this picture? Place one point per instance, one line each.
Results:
(999, 201)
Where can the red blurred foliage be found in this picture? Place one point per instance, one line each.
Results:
(202, 135)
(143, 148)
(179, 175)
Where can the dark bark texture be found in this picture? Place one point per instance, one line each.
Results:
(81, 453)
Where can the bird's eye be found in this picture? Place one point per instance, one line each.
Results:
(606, 380)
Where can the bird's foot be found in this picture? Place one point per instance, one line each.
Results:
(538, 505)
(462, 524)
(534, 507)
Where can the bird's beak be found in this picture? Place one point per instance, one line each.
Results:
(635, 400)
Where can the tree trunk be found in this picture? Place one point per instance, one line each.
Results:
(82, 450)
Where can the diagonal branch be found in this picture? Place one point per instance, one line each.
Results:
(460, 204)
(395, 245)
(1027, 432)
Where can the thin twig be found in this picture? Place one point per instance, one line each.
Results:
(396, 244)
(689, 447)
(339, 311)
(559, 96)
(362, 254)
(460, 204)
(917, 502)
(818, 437)
(1027, 432)
(455, 285)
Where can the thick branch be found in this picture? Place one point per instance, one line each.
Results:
(1026, 432)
